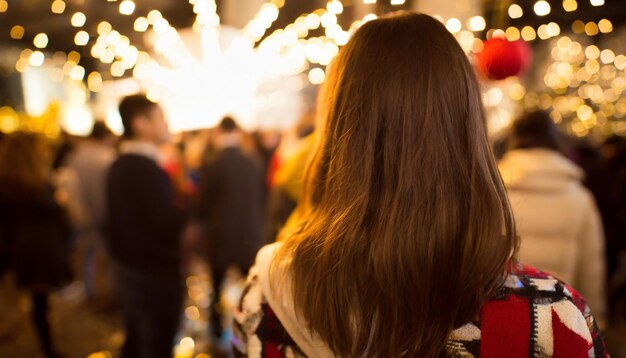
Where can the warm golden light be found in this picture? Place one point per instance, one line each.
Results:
(154, 16)
(108, 56)
(21, 65)
(77, 73)
(517, 92)
(528, 33)
(453, 25)
(192, 313)
(620, 62)
(127, 7)
(334, 6)
(94, 82)
(605, 26)
(512, 34)
(17, 32)
(578, 27)
(25, 54)
(542, 8)
(476, 23)
(570, 5)
(78, 19)
(57, 75)
(553, 29)
(591, 29)
(57, 7)
(369, 17)
(73, 56)
(81, 38)
(4, 5)
(584, 112)
(607, 56)
(592, 66)
(542, 32)
(36, 58)
(317, 76)
(40, 40)
(141, 24)
(515, 11)
(117, 69)
(104, 28)
(592, 52)
(278, 3)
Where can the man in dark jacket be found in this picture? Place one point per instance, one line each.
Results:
(144, 228)
(230, 208)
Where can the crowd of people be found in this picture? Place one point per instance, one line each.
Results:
(388, 230)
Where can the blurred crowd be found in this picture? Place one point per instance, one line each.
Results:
(123, 216)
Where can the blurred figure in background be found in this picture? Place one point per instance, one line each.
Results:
(144, 229)
(230, 209)
(556, 217)
(610, 190)
(34, 227)
(66, 181)
(91, 161)
(286, 182)
(195, 145)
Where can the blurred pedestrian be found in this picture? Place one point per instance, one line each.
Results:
(556, 216)
(91, 161)
(144, 229)
(34, 227)
(610, 191)
(230, 209)
(66, 180)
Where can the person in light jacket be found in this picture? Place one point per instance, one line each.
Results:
(556, 217)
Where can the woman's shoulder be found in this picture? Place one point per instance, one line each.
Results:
(534, 314)
(257, 331)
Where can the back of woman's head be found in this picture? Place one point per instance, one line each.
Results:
(23, 165)
(406, 229)
(534, 130)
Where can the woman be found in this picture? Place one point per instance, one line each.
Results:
(405, 245)
(34, 229)
(557, 219)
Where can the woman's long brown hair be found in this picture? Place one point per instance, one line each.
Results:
(406, 229)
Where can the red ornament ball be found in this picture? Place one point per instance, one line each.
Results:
(501, 58)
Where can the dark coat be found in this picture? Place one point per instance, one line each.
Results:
(231, 208)
(143, 223)
(35, 235)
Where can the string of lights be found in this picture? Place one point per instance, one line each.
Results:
(122, 56)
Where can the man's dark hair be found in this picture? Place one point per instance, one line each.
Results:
(100, 131)
(535, 130)
(228, 124)
(130, 108)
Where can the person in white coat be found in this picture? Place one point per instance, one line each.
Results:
(556, 216)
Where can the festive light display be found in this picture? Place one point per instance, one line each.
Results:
(585, 89)
(166, 71)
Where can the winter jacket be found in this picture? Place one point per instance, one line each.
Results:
(230, 207)
(533, 315)
(557, 220)
(35, 235)
(144, 224)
